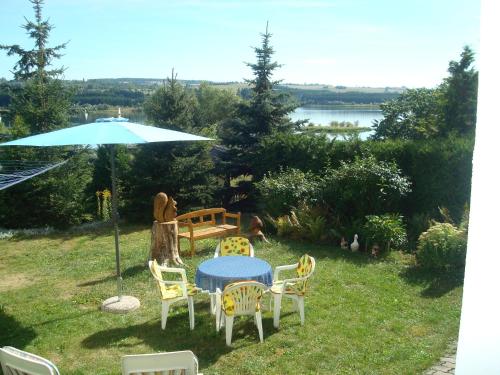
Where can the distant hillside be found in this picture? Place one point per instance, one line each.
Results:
(133, 91)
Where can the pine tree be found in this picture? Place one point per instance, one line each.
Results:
(460, 94)
(40, 103)
(180, 169)
(265, 113)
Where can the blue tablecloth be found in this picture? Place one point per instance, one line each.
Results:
(218, 272)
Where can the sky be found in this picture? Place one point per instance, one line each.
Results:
(383, 43)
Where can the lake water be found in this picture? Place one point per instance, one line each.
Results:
(323, 116)
(319, 116)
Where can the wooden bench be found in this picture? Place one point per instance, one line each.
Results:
(203, 224)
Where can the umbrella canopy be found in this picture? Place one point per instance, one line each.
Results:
(108, 131)
(105, 132)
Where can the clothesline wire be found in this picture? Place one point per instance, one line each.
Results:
(15, 171)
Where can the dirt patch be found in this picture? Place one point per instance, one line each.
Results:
(17, 281)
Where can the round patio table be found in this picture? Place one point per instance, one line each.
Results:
(218, 272)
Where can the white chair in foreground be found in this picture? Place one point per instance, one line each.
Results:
(173, 291)
(293, 288)
(237, 299)
(171, 363)
(235, 245)
(19, 362)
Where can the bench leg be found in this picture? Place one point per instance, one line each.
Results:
(192, 246)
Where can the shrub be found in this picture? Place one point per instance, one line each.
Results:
(443, 246)
(363, 187)
(385, 230)
(287, 189)
(440, 171)
(302, 223)
(311, 222)
(416, 225)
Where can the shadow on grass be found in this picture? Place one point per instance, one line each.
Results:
(96, 230)
(12, 333)
(435, 283)
(204, 341)
(129, 272)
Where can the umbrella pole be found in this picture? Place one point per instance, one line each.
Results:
(119, 303)
(114, 208)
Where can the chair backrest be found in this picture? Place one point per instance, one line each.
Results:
(305, 268)
(234, 246)
(155, 270)
(242, 297)
(19, 362)
(171, 363)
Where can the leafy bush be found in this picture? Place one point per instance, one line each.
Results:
(439, 170)
(311, 221)
(416, 225)
(443, 246)
(302, 223)
(385, 230)
(287, 189)
(362, 187)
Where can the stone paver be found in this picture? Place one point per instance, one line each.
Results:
(446, 365)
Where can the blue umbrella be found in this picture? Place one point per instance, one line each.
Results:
(107, 131)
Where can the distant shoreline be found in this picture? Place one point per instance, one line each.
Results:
(375, 107)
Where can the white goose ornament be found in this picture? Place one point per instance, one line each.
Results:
(355, 244)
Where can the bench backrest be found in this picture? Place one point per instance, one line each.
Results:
(200, 216)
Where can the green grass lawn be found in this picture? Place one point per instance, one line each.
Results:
(362, 316)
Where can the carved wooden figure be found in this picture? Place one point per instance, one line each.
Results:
(256, 227)
(165, 230)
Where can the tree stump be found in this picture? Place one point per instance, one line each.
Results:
(164, 242)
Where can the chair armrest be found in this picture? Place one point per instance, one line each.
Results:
(278, 269)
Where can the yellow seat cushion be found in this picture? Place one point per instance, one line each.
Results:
(235, 246)
(291, 288)
(172, 291)
(175, 291)
(304, 268)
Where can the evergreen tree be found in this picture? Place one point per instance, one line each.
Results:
(39, 104)
(263, 115)
(171, 106)
(180, 169)
(426, 113)
(460, 95)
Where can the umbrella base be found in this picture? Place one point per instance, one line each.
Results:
(120, 306)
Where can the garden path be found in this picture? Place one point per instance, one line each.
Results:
(446, 364)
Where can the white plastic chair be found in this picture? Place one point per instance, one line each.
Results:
(235, 245)
(19, 362)
(237, 299)
(171, 363)
(173, 291)
(293, 288)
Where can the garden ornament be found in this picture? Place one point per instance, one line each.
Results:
(165, 208)
(343, 244)
(256, 227)
(355, 244)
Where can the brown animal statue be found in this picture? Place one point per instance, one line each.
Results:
(256, 227)
(164, 208)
